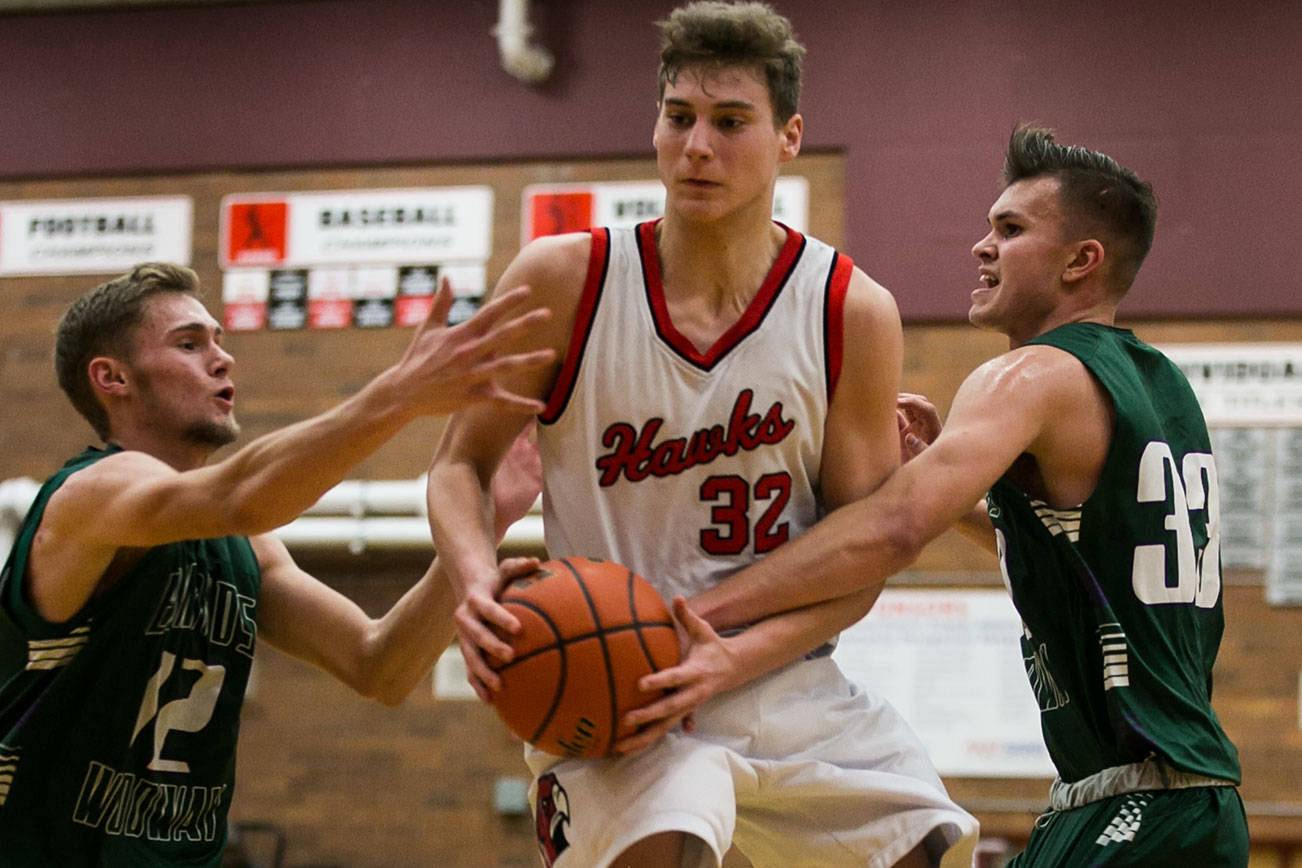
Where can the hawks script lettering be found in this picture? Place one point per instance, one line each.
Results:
(635, 455)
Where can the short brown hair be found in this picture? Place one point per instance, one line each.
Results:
(716, 35)
(1099, 196)
(100, 324)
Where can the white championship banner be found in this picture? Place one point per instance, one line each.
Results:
(93, 236)
(950, 661)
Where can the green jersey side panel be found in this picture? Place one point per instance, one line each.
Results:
(1121, 598)
(118, 728)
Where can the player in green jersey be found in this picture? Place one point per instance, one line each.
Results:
(142, 575)
(1089, 461)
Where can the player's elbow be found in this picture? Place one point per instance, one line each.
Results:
(387, 695)
(382, 672)
(894, 542)
(250, 515)
(371, 682)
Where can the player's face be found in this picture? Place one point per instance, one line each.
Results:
(182, 373)
(1022, 260)
(716, 145)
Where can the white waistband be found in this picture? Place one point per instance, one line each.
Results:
(1151, 774)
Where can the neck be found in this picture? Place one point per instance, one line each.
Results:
(1101, 315)
(728, 259)
(178, 454)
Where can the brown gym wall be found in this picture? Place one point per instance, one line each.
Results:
(355, 784)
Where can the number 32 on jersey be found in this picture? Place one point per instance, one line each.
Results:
(731, 497)
(1191, 487)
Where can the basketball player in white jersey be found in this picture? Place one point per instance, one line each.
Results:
(722, 381)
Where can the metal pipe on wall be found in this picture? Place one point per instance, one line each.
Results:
(529, 63)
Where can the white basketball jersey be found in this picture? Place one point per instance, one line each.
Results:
(680, 464)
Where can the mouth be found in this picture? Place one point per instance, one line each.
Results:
(988, 280)
(227, 396)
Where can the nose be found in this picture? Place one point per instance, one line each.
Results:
(222, 360)
(698, 142)
(984, 249)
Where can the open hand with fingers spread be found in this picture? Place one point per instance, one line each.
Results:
(448, 368)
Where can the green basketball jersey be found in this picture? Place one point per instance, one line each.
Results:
(1121, 597)
(118, 727)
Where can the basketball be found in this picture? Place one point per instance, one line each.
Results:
(590, 630)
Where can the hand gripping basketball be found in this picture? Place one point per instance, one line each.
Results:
(589, 631)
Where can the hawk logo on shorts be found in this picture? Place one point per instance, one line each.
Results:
(551, 816)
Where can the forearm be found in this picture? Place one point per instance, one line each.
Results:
(778, 640)
(461, 517)
(852, 550)
(272, 480)
(402, 646)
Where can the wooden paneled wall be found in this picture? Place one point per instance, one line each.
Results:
(355, 784)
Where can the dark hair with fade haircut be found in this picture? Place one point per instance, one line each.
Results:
(716, 35)
(1099, 196)
(100, 324)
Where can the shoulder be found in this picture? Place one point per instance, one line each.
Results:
(869, 308)
(272, 556)
(555, 259)
(1035, 366)
(93, 486)
(1035, 381)
(863, 290)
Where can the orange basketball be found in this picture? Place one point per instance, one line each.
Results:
(590, 630)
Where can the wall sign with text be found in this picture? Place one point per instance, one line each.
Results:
(93, 236)
(352, 258)
(550, 209)
(1251, 396)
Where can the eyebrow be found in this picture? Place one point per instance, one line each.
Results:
(729, 104)
(197, 327)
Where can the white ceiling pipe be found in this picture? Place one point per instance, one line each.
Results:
(373, 497)
(529, 63)
(356, 514)
(378, 497)
(358, 535)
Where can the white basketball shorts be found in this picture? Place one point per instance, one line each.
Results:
(800, 767)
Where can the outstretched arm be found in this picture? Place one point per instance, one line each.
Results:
(1034, 400)
(133, 500)
(472, 446)
(382, 658)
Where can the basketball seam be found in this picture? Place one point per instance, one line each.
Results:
(560, 685)
(637, 623)
(605, 653)
(576, 639)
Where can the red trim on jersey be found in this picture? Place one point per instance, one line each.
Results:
(838, 284)
(598, 259)
(750, 318)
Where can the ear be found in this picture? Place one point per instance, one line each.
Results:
(108, 376)
(792, 133)
(1087, 259)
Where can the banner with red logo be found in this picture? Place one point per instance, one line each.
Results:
(352, 258)
(551, 209)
